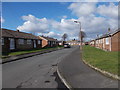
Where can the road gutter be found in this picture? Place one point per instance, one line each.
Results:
(63, 80)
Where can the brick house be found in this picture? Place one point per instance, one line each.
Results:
(115, 41)
(16, 40)
(92, 43)
(48, 41)
(106, 42)
(97, 43)
(109, 42)
(112, 41)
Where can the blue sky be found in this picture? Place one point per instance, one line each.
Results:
(12, 12)
(54, 18)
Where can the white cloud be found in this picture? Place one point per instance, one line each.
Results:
(96, 19)
(109, 11)
(33, 24)
(53, 34)
(82, 9)
(67, 26)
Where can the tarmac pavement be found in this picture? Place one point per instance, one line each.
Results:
(79, 75)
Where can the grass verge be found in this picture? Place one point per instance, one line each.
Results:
(104, 60)
(28, 51)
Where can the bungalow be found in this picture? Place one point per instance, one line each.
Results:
(111, 41)
(97, 43)
(108, 42)
(92, 43)
(48, 41)
(100, 42)
(115, 40)
(16, 40)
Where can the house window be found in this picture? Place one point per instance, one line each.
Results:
(21, 41)
(96, 41)
(2, 41)
(101, 41)
(49, 42)
(107, 40)
(29, 41)
(39, 42)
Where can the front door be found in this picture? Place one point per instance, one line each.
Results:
(12, 43)
(34, 41)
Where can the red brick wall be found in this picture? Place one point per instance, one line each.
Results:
(24, 46)
(6, 46)
(39, 45)
(103, 43)
(115, 42)
(107, 46)
(44, 43)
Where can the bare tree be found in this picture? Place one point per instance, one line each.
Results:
(64, 36)
(82, 35)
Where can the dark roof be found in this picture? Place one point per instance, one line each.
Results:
(118, 30)
(49, 38)
(17, 34)
(109, 34)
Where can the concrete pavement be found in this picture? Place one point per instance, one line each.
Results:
(79, 75)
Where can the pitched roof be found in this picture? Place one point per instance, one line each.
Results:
(109, 34)
(118, 30)
(49, 38)
(17, 34)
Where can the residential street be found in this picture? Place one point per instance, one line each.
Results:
(34, 72)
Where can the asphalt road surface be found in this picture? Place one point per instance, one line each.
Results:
(34, 72)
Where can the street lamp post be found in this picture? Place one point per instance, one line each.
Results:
(80, 37)
(80, 33)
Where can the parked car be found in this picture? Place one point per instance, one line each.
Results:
(67, 46)
(86, 43)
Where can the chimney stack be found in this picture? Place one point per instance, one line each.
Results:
(109, 30)
(17, 30)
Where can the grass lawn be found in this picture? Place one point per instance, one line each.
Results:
(104, 60)
(28, 51)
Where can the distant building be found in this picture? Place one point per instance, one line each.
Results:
(48, 41)
(60, 43)
(92, 43)
(73, 42)
(16, 40)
